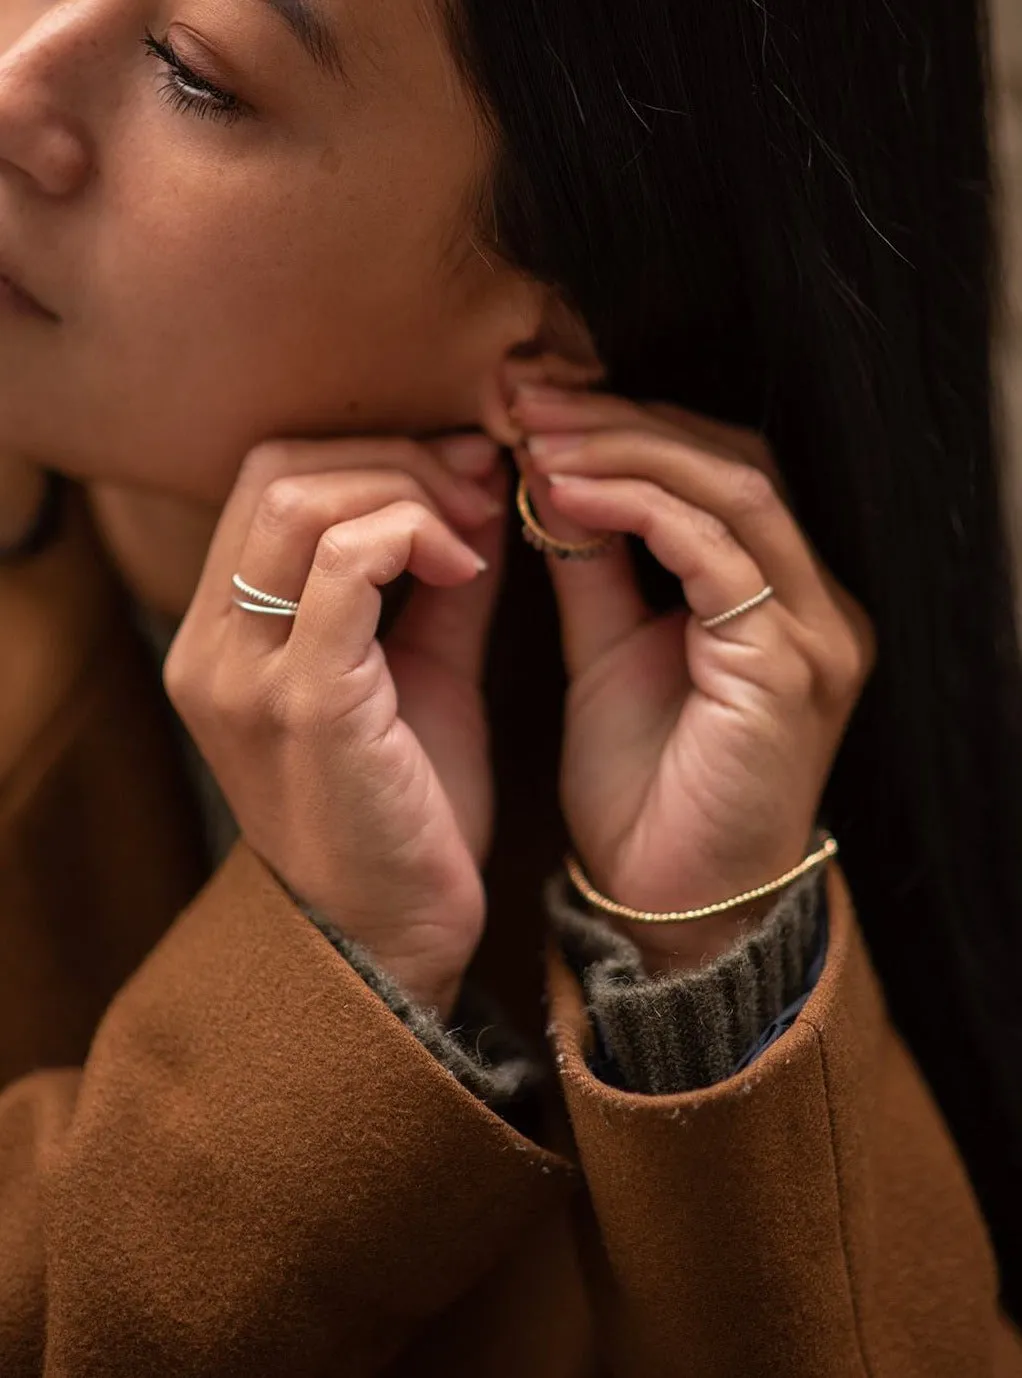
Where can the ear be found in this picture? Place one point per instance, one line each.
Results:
(558, 350)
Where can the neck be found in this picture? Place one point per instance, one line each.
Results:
(159, 544)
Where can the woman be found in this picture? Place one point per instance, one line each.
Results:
(286, 287)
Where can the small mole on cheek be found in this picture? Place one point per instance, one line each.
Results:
(330, 161)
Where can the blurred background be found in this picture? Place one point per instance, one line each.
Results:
(1007, 121)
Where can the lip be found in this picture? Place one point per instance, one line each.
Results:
(13, 294)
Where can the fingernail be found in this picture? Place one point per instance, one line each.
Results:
(471, 455)
(540, 446)
(481, 564)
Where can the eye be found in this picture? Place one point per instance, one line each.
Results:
(186, 90)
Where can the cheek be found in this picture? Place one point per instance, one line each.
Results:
(258, 315)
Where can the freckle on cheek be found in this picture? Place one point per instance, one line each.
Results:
(329, 161)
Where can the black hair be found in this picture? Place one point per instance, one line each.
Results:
(780, 213)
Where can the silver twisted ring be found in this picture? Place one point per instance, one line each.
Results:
(736, 612)
(263, 602)
(261, 607)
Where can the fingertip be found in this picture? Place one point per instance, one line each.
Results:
(469, 455)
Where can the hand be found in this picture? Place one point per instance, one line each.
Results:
(694, 759)
(360, 777)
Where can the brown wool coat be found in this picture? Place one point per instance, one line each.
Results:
(260, 1171)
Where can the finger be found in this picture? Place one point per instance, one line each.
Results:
(737, 495)
(537, 407)
(339, 612)
(717, 574)
(289, 521)
(565, 410)
(599, 600)
(451, 625)
(458, 497)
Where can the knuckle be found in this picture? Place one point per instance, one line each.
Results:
(284, 504)
(865, 635)
(336, 550)
(710, 529)
(178, 680)
(849, 656)
(411, 515)
(842, 668)
(849, 663)
(750, 491)
(266, 458)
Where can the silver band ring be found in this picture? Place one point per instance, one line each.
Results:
(736, 612)
(262, 607)
(266, 600)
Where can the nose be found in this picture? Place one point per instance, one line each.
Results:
(40, 138)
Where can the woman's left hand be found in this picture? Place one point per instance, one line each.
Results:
(695, 759)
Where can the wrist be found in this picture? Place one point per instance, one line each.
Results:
(680, 947)
(425, 985)
(685, 943)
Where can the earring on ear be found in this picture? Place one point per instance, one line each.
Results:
(540, 539)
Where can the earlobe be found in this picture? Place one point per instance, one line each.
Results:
(494, 408)
(561, 354)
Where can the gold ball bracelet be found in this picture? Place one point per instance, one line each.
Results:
(826, 850)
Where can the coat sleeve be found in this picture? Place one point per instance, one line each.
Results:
(259, 1168)
(808, 1216)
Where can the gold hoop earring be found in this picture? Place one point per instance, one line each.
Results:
(540, 539)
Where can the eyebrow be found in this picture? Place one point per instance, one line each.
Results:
(312, 31)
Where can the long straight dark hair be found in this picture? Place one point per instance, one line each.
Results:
(779, 213)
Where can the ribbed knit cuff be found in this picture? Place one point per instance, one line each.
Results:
(479, 1048)
(683, 1031)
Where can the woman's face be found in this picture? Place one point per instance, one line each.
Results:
(294, 259)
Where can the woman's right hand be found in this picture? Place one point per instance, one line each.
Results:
(359, 774)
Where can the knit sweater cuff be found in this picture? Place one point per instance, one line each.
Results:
(478, 1048)
(682, 1031)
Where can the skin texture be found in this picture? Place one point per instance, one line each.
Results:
(714, 743)
(242, 316)
(308, 276)
(309, 269)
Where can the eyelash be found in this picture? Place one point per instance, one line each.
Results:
(186, 90)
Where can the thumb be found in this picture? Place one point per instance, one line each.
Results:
(451, 626)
